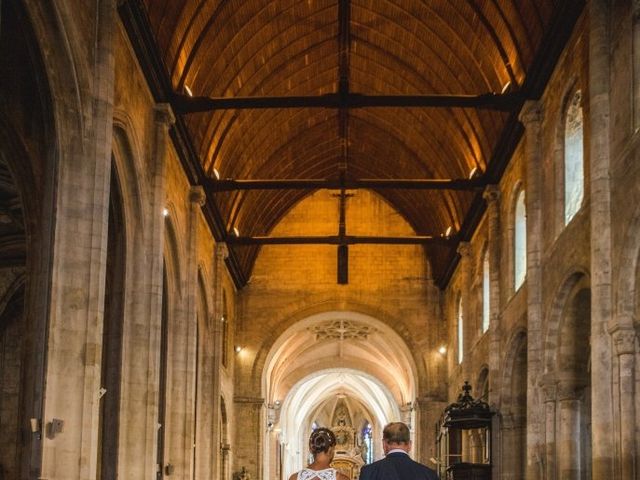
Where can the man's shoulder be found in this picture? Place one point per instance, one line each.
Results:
(429, 472)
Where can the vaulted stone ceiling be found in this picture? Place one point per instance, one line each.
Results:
(251, 48)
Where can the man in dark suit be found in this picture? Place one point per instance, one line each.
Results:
(397, 465)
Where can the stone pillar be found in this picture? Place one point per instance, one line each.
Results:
(464, 249)
(492, 197)
(602, 422)
(624, 339)
(184, 347)
(250, 425)
(531, 116)
(141, 329)
(74, 343)
(204, 398)
(635, 17)
(428, 411)
(549, 390)
(218, 449)
(568, 430)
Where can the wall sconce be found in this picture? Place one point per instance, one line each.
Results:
(238, 349)
(442, 350)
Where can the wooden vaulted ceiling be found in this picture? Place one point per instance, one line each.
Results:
(283, 48)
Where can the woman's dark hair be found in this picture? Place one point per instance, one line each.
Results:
(321, 440)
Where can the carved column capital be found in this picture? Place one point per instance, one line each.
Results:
(624, 339)
(464, 249)
(222, 251)
(567, 388)
(163, 114)
(549, 387)
(531, 113)
(491, 194)
(197, 195)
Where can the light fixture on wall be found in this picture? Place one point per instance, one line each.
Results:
(448, 232)
(216, 173)
(238, 349)
(442, 350)
(165, 212)
(188, 90)
(236, 232)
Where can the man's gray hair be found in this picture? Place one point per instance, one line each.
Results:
(396, 432)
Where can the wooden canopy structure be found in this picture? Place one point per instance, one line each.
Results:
(418, 100)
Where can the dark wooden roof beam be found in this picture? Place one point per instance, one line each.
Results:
(342, 240)
(227, 185)
(505, 102)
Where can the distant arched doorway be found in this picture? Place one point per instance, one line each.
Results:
(339, 369)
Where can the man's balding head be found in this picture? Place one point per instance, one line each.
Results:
(396, 435)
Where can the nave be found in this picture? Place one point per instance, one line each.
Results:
(226, 223)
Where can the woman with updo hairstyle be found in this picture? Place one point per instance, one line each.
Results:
(322, 445)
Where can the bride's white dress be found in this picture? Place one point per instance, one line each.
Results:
(308, 474)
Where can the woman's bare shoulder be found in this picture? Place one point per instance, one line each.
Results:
(294, 476)
(340, 476)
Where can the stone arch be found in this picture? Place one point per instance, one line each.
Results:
(482, 385)
(321, 307)
(626, 291)
(576, 276)
(172, 252)
(516, 346)
(112, 338)
(203, 301)
(28, 156)
(567, 366)
(513, 406)
(126, 156)
(308, 316)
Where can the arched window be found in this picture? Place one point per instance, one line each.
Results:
(460, 331)
(486, 291)
(520, 241)
(367, 440)
(573, 157)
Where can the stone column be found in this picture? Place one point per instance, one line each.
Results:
(428, 411)
(568, 430)
(218, 450)
(602, 422)
(624, 339)
(250, 425)
(531, 116)
(492, 197)
(464, 249)
(74, 342)
(141, 329)
(204, 398)
(549, 390)
(635, 17)
(196, 198)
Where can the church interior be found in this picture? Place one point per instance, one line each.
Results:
(225, 223)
